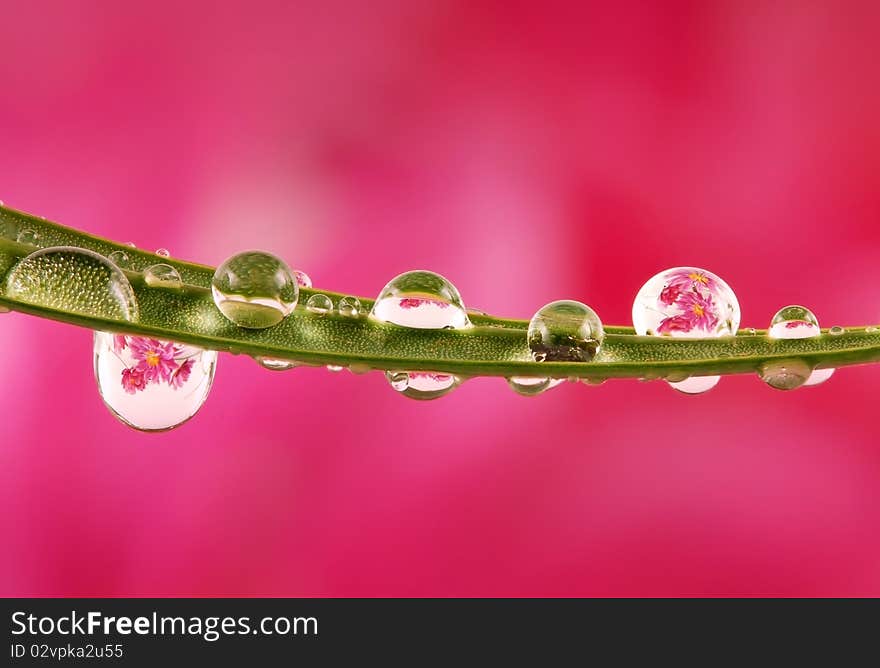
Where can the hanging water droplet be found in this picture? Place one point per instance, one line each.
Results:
(687, 302)
(5, 309)
(149, 384)
(335, 368)
(275, 364)
(530, 386)
(319, 304)
(28, 236)
(421, 299)
(695, 384)
(254, 289)
(302, 279)
(422, 385)
(73, 280)
(836, 330)
(565, 331)
(119, 258)
(359, 369)
(786, 374)
(162, 276)
(796, 322)
(163, 252)
(350, 307)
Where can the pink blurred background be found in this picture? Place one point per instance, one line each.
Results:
(557, 151)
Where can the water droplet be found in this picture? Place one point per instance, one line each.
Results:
(28, 236)
(319, 304)
(350, 307)
(163, 252)
(796, 322)
(872, 330)
(73, 280)
(687, 302)
(359, 369)
(275, 364)
(130, 244)
(565, 331)
(302, 279)
(5, 309)
(423, 300)
(696, 384)
(149, 384)
(530, 387)
(335, 368)
(422, 385)
(786, 374)
(119, 258)
(751, 331)
(594, 382)
(254, 289)
(162, 276)
(836, 330)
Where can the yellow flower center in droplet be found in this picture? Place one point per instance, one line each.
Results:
(698, 278)
(152, 358)
(699, 310)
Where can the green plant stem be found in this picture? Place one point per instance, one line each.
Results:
(492, 347)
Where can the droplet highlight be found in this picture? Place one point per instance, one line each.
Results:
(254, 289)
(319, 304)
(149, 384)
(565, 331)
(162, 276)
(73, 280)
(422, 300)
(687, 302)
(422, 385)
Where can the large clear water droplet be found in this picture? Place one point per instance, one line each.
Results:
(687, 302)
(302, 279)
(28, 236)
(786, 374)
(319, 304)
(149, 384)
(565, 331)
(798, 322)
(531, 387)
(422, 385)
(162, 276)
(254, 289)
(423, 300)
(73, 280)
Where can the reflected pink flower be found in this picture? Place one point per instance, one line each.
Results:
(415, 302)
(133, 380)
(155, 359)
(180, 375)
(680, 282)
(698, 313)
(119, 343)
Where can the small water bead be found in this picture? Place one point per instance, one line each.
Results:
(796, 322)
(751, 331)
(350, 307)
(422, 300)
(687, 302)
(28, 236)
(163, 252)
(335, 368)
(130, 244)
(358, 369)
(254, 289)
(319, 304)
(565, 331)
(786, 374)
(302, 279)
(275, 364)
(531, 387)
(872, 330)
(149, 384)
(119, 258)
(162, 276)
(73, 280)
(422, 385)
(836, 330)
